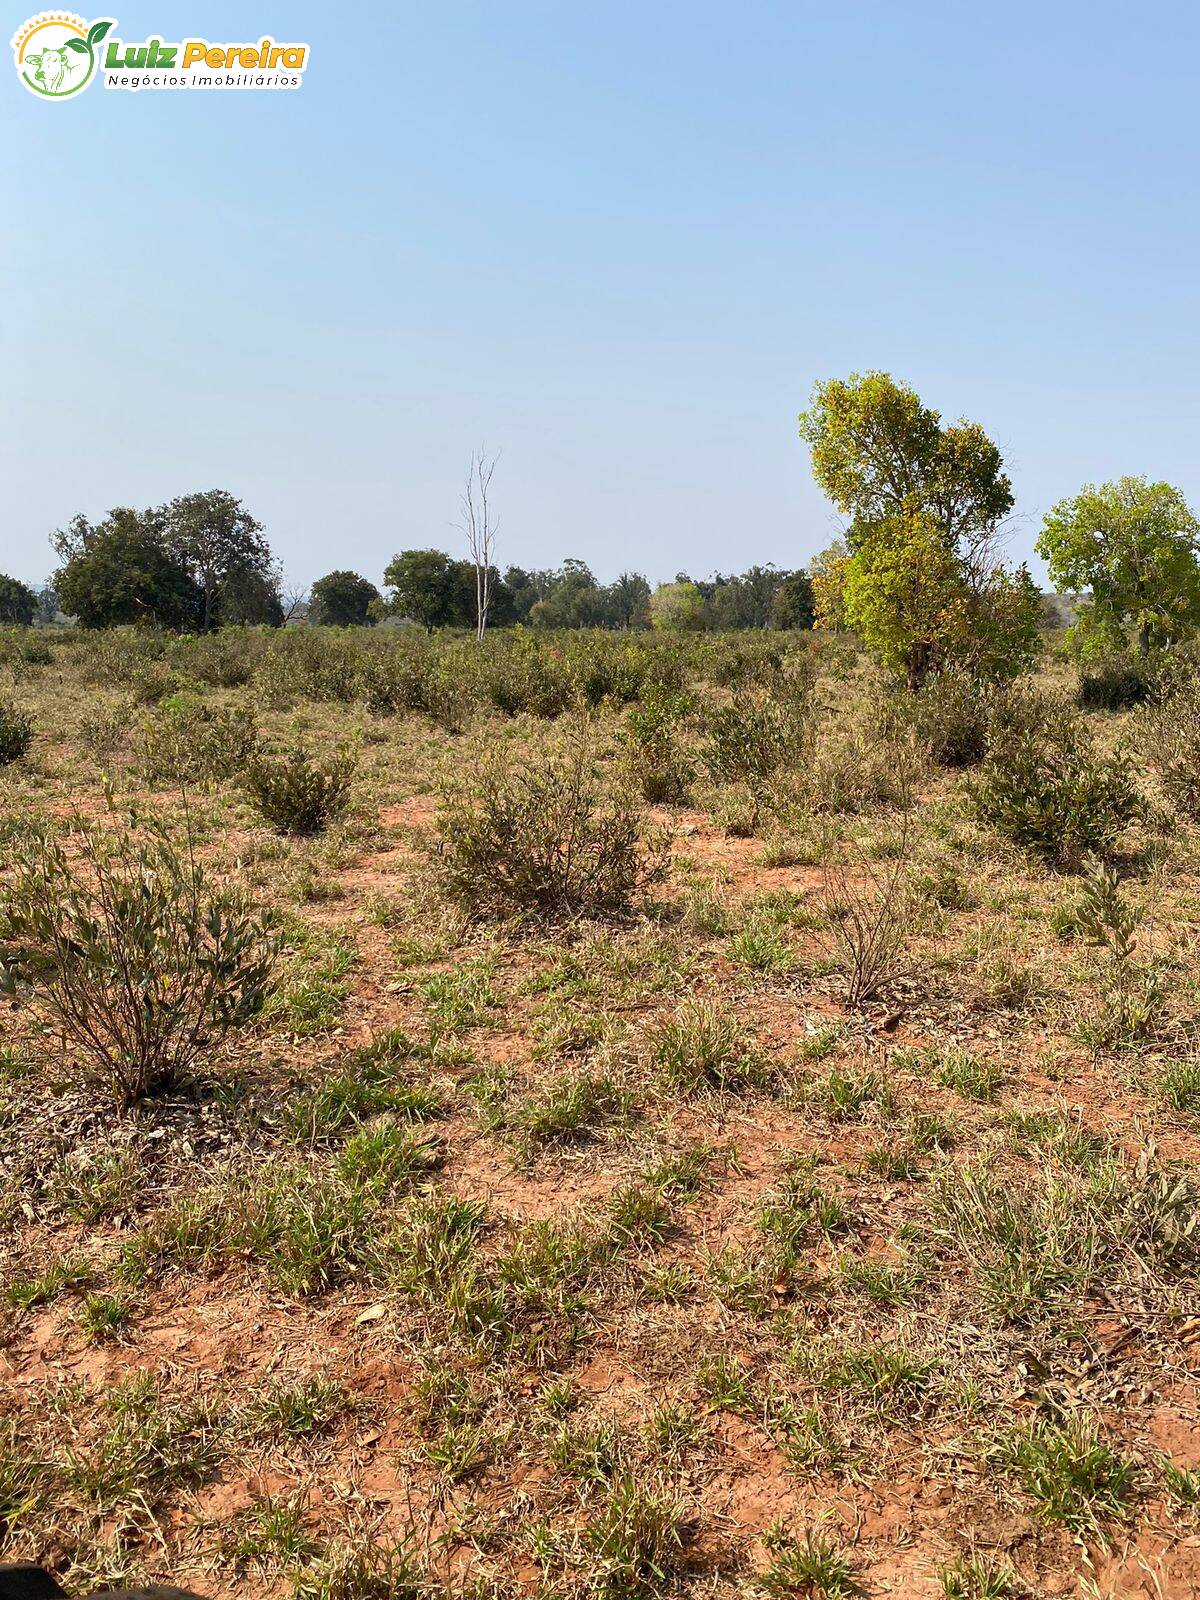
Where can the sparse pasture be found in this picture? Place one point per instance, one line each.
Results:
(608, 1115)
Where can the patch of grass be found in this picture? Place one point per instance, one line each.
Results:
(151, 1443)
(887, 1283)
(977, 1577)
(1179, 1085)
(106, 1316)
(761, 945)
(371, 1081)
(700, 1047)
(358, 1568)
(26, 1294)
(570, 1110)
(633, 1542)
(844, 1095)
(817, 1566)
(1073, 1475)
(458, 1000)
(273, 1535)
(314, 996)
(301, 1408)
(970, 1077)
(97, 1181)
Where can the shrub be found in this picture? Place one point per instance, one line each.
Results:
(1168, 736)
(951, 715)
(662, 768)
(297, 793)
(546, 841)
(750, 739)
(1051, 793)
(138, 961)
(1117, 681)
(186, 741)
(16, 733)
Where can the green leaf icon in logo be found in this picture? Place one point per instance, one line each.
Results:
(78, 44)
(97, 31)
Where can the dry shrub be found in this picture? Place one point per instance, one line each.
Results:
(1168, 737)
(16, 734)
(132, 954)
(549, 841)
(872, 907)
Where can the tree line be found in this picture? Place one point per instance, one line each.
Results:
(918, 576)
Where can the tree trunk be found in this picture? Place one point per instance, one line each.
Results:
(1144, 638)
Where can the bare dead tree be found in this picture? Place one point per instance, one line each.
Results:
(480, 529)
(293, 597)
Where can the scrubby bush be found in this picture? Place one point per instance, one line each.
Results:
(655, 749)
(527, 675)
(547, 840)
(134, 957)
(1168, 736)
(753, 737)
(950, 716)
(1051, 792)
(16, 734)
(1117, 681)
(298, 793)
(188, 742)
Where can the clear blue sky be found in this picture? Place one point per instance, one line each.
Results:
(620, 241)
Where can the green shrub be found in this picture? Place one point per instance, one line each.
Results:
(186, 741)
(547, 840)
(655, 753)
(753, 737)
(16, 734)
(298, 793)
(133, 956)
(1051, 793)
(951, 716)
(1117, 681)
(1168, 737)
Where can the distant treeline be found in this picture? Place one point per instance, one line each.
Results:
(202, 562)
(433, 589)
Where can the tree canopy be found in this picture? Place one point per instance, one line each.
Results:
(210, 537)
(123, 572)
(343, 600)
(1134, 545)
(878, 452)
(18, 602)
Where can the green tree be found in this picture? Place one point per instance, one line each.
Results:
(878, 453)
(224, 549)
(18, 603)
(677, 607)
(793, 604)
(122, 572)
(1134, 545)
(906, 596)
(427, 589)
(342, 600)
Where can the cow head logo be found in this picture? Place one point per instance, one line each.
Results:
(56, 53)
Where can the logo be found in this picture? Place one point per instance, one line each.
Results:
(57, 54)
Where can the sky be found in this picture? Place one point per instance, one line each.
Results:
(617, 244)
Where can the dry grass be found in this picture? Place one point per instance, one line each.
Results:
(824, 1224)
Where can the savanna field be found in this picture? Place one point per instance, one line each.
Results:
(597, 1114)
